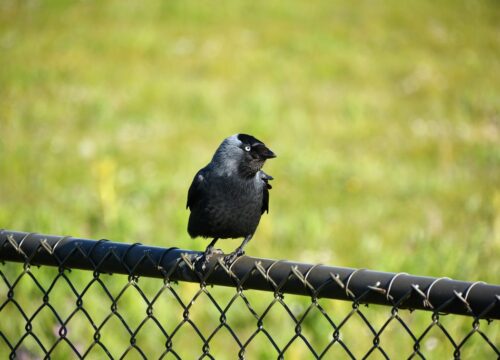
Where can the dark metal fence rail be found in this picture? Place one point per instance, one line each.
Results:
(359, 286)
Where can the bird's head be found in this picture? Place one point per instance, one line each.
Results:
(242, 154)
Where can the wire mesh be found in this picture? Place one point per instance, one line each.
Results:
(159, 304)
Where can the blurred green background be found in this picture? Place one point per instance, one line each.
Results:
(384, 116)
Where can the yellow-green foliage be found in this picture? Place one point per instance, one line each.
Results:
(384, 116)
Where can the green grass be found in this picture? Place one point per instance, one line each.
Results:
(384, 116)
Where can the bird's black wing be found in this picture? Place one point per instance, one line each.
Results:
(195, 192)
(265, 189)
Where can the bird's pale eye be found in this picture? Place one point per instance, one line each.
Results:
(247, 148)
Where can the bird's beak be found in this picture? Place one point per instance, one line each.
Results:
(268, 154)
(263, 152)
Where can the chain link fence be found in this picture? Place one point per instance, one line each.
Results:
(63, 297)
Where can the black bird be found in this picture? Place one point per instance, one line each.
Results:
(229, 195)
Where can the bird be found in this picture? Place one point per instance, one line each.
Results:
(229, 195)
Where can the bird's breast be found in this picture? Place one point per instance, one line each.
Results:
(237, 194)
(233, 208)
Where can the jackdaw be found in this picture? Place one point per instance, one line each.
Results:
(229, 195)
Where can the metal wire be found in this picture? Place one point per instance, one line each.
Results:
(54, 311)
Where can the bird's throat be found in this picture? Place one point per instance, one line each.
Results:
(249, 169)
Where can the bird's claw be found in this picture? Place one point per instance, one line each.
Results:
(204, 258)
(229, 259)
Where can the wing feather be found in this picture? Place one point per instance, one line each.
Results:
(265, 189)
(195, 190)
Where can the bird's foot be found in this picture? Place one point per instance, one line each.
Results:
(229, 259)
(204, 258)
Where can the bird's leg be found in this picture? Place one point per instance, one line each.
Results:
(210, 248)
(229, 259)
(209, 251)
